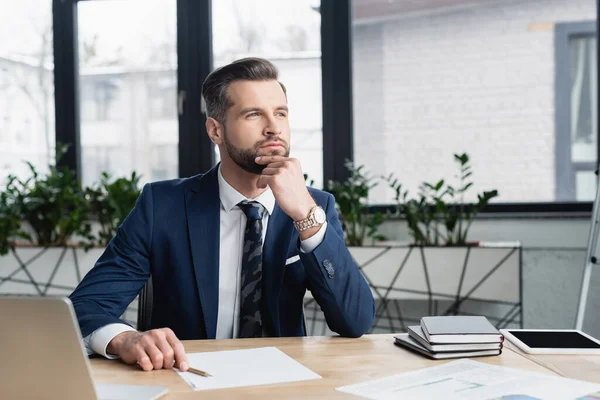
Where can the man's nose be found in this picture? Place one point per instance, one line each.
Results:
(273, 127)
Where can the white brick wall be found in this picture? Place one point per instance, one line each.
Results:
(476, 80)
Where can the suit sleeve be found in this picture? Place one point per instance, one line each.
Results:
(336, 283)
(120, 273)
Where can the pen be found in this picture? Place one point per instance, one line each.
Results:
(198, 372)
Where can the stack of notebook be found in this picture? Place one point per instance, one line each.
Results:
(452, 337)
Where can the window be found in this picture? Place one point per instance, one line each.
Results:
(475, 77)
(162, 91)
(99, 100)
(26, 87)
(288, 34)
(576, 110)
(127, 75)
(164, 159)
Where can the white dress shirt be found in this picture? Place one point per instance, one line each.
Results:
(232, 227)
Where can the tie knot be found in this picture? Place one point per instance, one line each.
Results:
(253, 209)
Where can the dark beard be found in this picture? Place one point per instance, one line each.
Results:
(244, 158)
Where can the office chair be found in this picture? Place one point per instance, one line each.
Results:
(144, 314)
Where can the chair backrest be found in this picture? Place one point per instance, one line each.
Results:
(145, 307)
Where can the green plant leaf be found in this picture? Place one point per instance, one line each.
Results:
(438, 213)
(439, 185)
(466, 187)
(462, 158)
(352, 205)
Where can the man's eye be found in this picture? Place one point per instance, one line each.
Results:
(254, 114)
(282, 114)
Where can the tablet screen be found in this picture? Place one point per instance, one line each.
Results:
(555, 340)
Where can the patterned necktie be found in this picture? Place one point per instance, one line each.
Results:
(251, 290)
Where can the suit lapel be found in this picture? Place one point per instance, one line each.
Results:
(279, 231)
(202, 206)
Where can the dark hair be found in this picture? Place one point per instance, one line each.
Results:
(214, 89)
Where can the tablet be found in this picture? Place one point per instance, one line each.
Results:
(552, 341)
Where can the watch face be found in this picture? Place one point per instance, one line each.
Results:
(320, 216)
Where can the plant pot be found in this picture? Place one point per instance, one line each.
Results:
(409, 282)
(49, 271)
(40, 271)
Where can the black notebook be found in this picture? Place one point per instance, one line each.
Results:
(404, 340)
(416, 333)
(460, 329)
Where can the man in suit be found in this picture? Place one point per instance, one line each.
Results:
(231, 252)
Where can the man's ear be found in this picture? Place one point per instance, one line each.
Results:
(215, 130)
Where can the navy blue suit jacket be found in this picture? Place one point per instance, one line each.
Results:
(173, 235)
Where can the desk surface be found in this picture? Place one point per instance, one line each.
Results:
(339, 361)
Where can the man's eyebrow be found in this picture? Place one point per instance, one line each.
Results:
(246, 110)
(254, 109)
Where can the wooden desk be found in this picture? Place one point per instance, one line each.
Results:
(583, 367)
(339, 361)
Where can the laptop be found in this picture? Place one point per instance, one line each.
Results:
(43, 356)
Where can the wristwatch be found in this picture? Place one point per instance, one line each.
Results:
(316, 217)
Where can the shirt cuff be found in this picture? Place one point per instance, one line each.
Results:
(308, 245)
(99, 339)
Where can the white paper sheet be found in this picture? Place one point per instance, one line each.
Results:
(251, 367)
(468, 379)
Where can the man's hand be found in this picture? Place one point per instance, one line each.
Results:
(154, 349)
(285, 178)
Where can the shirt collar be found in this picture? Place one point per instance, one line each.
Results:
(231, 197)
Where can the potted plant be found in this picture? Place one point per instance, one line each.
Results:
(352, 195)
(441, 271)
(47, 243)
(111, 201)
(453, 275)
(439, 214)
(53, 205)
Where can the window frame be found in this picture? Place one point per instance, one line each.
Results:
(66, 82)
(565, 169)
(336, 71)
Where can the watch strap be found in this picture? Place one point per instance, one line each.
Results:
(307, 222)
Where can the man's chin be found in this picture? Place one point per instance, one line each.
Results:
(254, 168)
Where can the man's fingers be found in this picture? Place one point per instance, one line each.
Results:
(270, 171)
(263, 181)
(277, 164)
(156, 357)
(167, 352)
(143, 359)
(181, 359)
(156, 349)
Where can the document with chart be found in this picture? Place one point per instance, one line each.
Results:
(467, 379)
